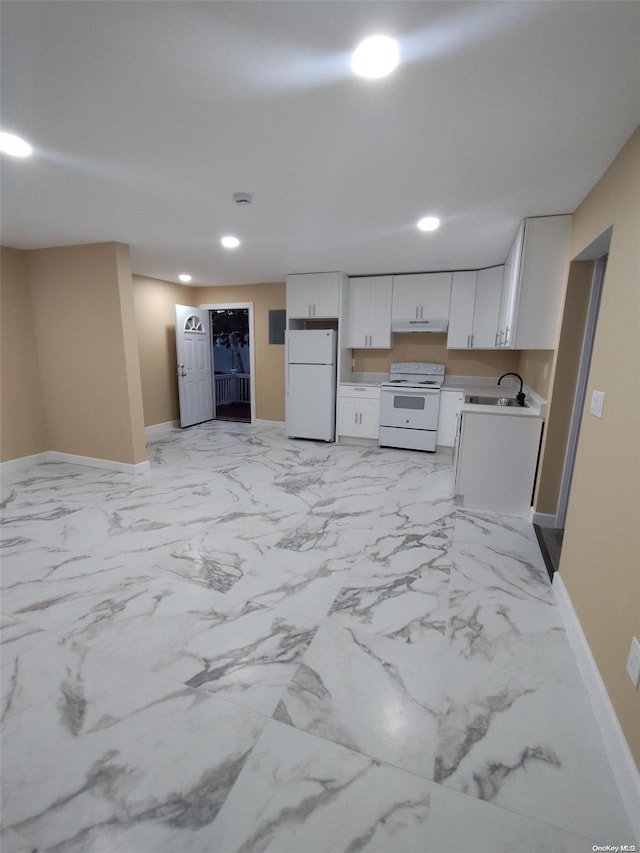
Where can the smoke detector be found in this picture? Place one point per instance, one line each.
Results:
(242, 198)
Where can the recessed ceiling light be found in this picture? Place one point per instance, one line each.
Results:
(374, 57)
(185, 277)
(14, 145)
(230, 242)
(429, 223)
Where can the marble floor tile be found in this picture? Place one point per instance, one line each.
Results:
(370, 694)
(241, 651)
(285, 645)
(464, 824)
(300, 793)
(100, 755)
(10, 842)
(527, 746)
(509, 632)
(17, 636)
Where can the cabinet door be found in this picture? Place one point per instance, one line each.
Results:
(359, 310)
(348, 412)
(369, 418)
(406, 297)
(299, 296)
(543, 273)
(380, 292)
(325, 292)
(487, 308)
(463, 297)
(435, 295)
(509, 296)
(450, 403)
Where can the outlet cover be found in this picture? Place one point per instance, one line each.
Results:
(597, 403)
(633, 662)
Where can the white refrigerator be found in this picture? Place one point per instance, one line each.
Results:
(311, 384)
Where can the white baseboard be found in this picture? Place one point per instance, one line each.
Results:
(157, 429)
(94, 462)
(544, 519)
(22, 462)
(622, 761)
(262, 422)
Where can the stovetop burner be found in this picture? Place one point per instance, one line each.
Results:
(415, 375)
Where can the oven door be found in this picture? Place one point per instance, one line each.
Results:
(409, 408)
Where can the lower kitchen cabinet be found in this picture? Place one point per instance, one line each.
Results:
(497, 460)
(358, 411)
(450, 403)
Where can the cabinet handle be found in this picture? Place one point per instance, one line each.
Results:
(417, 306)
(496, 339)
(314, 310)
(360, 418)
(355, 417)
(506, 336)
(501, 336)
(421, 310)
(471, 341)
(310, 314)
(468, 341)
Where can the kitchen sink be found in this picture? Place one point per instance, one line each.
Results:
(495, 401)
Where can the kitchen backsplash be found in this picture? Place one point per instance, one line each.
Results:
(433, 348)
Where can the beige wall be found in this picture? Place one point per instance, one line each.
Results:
(82, 308)
(564, 387)
(22, 422)
(433, 348)
(600, 562)
(535, 368)
(155, 311)
(269, 358)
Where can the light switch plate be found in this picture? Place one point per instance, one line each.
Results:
(633, 662)
(597, 403)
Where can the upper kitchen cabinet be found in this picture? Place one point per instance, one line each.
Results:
(314, 295)
(370, 312)
(423, 296)
(475, 305)
(533, 284)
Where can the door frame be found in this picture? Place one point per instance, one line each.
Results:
(224, 306)
(579, 400)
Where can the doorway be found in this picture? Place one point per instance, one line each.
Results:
(575, 350)
(233, 361)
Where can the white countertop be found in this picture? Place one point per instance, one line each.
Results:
(484, 386)
(375, 379)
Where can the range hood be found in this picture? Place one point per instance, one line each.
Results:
(438, 324)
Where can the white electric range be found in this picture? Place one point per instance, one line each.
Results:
(409, 405)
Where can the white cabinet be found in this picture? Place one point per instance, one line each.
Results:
(463, 300)
(358, 411)
(475, 304)
(487, 307)
(370, 312)
(450, 404)
(423, 296)
(534, 279)
(497, 460)
(314, 295)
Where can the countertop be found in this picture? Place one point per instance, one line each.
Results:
(485, 386)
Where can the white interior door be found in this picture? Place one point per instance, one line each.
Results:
(195, 381)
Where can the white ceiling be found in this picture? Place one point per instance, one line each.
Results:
(146, 117)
